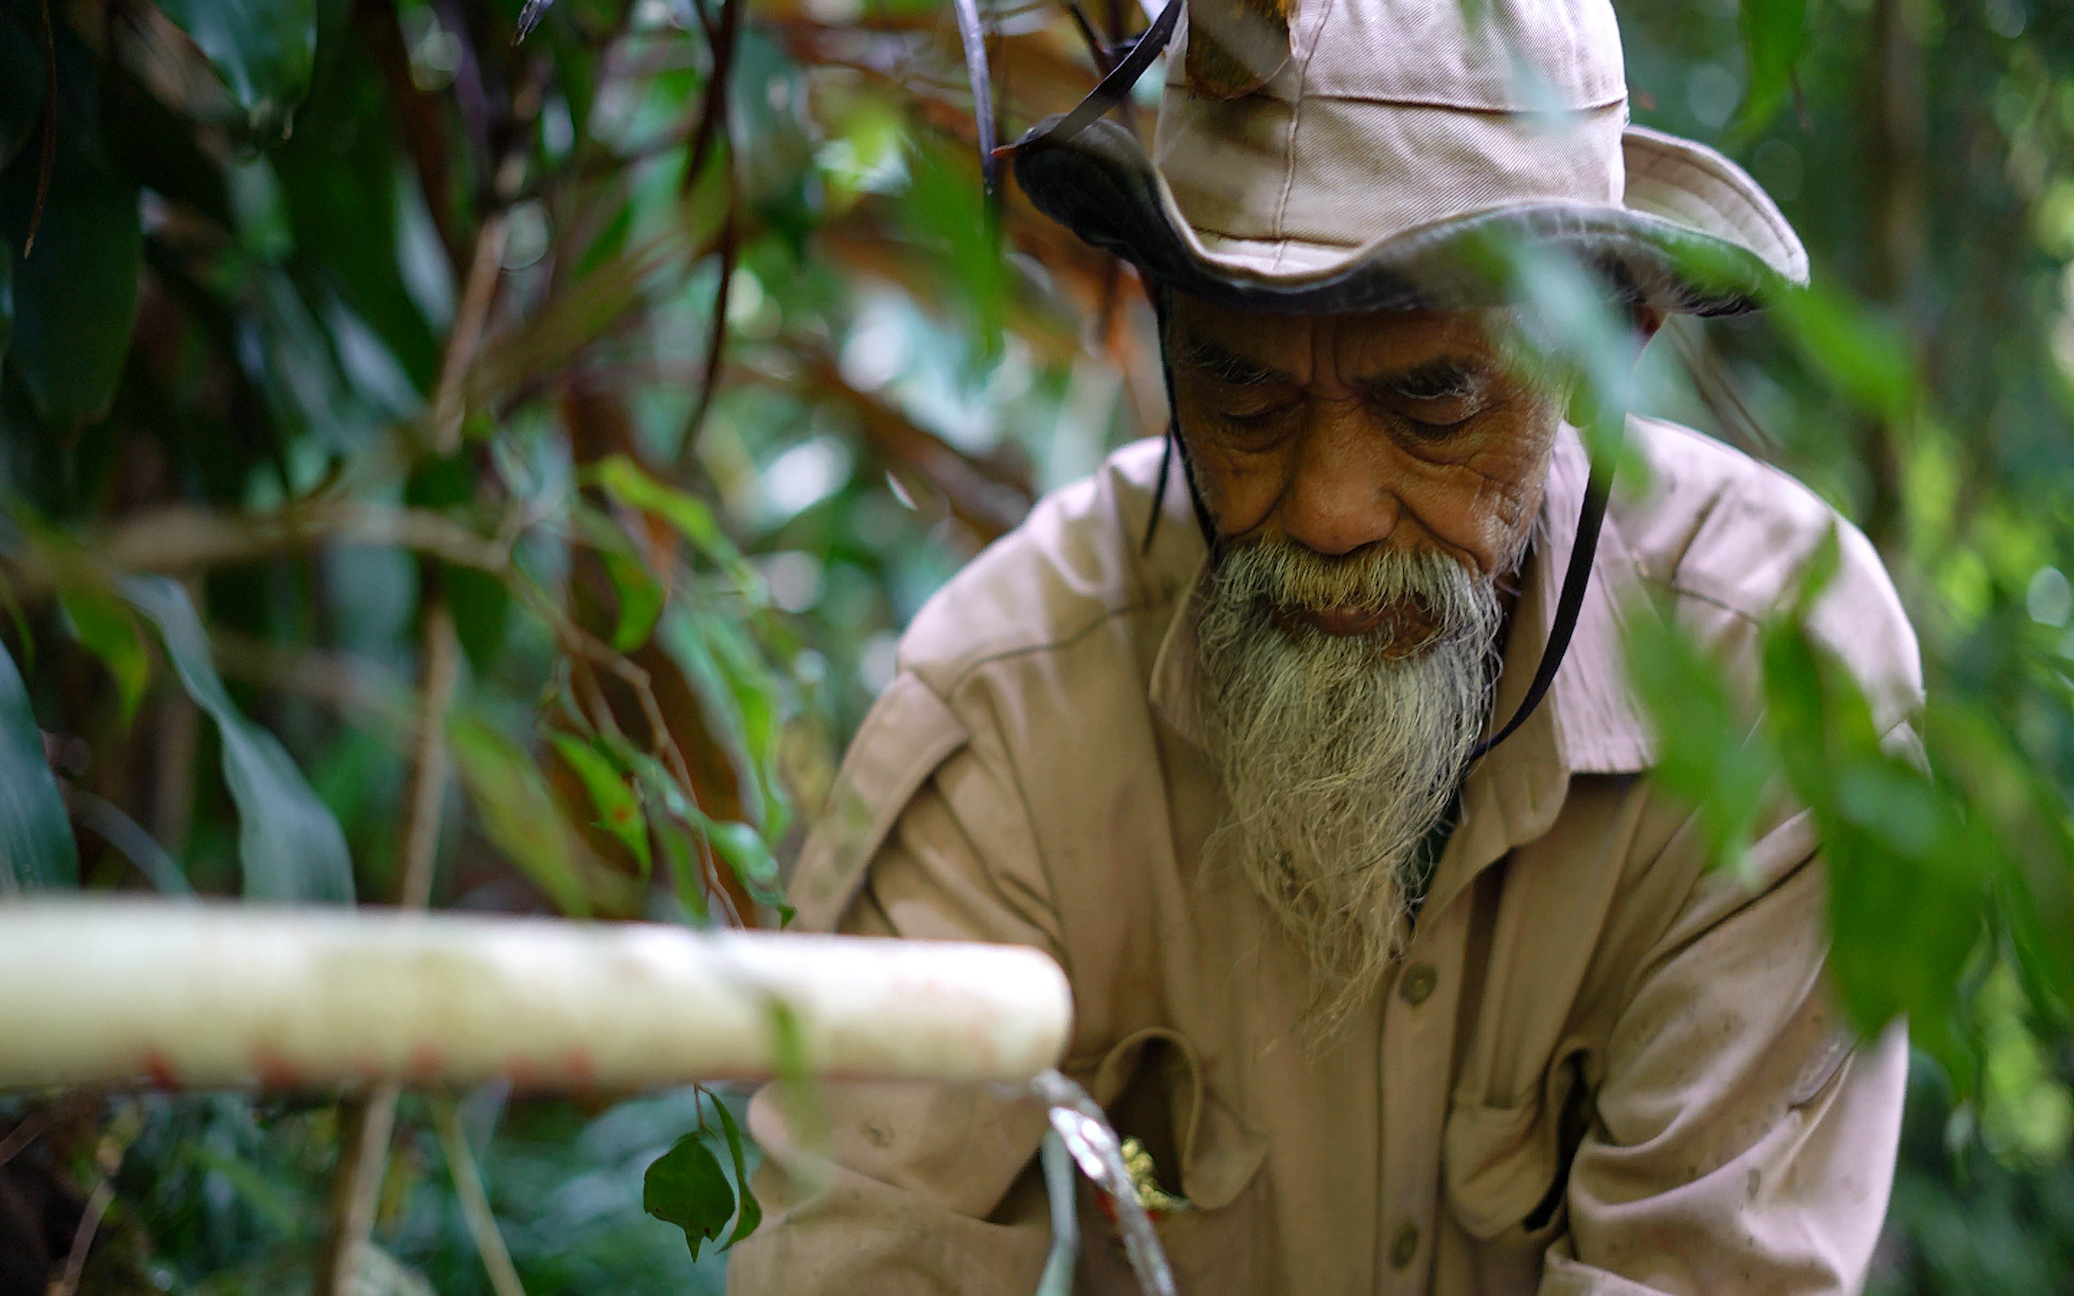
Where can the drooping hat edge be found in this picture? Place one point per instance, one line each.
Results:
(1696, 236)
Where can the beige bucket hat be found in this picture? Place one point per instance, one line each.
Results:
(1340, 155)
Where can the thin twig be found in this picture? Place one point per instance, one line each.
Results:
(180, 539)
(83, 1239)
(475, 1203)
(359, 1183)
(1096, 48)
(357, 689)
(1717, 390)
(49, 146)
(365, 1126)
(25, 1133)
(114, 1144)
(716, 340)
(712, 118)
(449, 404)
(439, 672)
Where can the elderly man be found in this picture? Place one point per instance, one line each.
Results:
(1384, 945)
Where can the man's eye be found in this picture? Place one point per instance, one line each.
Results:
(1252, 417)
(1443, 412)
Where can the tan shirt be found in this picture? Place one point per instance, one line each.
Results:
(1598, 1067)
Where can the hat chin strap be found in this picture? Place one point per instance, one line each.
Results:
(1576, 577)
(1568, 604)
(1138, 53)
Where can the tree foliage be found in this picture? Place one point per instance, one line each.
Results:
(523, 453)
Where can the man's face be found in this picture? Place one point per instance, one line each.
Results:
(1372, 479)
(1399, 430)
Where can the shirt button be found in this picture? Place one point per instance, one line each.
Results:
(1419, 980)
(1405, 1245)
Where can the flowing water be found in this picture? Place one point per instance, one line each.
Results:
(1088, 1136)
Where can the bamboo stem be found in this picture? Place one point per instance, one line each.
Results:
(95, 992)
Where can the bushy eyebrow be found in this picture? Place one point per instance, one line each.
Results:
(1227, 365)
(1444, 376)
(1436, 379)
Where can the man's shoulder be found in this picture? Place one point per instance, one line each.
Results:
(1732, 541)
(1076, 563)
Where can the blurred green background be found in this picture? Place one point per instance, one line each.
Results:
(439, 469)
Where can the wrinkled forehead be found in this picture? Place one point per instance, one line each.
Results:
(1324, 348)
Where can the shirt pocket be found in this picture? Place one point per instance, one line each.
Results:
(1506, 1170)
(1207, 1153)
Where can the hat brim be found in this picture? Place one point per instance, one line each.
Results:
(1696, 236)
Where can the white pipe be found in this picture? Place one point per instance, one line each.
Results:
(207, 996)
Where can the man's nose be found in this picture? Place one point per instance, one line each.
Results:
(1338, 497)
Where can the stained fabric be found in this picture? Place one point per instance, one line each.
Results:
(1598, 1066)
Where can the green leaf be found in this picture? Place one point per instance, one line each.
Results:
(626, 482)
(75, 292)
(22, 78)
(1863, 355)
(1774, 34)
(743, 849)
(262, 50)
(341, 195)
(479, 601)
(680, 851)
(742, 705)
(36, 846)
(946, 212)
(6, 297)
(619, 809)
(108, 630)
(517, 810)
(686, 1187)
(641, 599)
(1709, 757)
(158, 147)
(290, 847)
(481, 605)
(752, 1211)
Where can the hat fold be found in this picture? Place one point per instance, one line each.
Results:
(1397, 153)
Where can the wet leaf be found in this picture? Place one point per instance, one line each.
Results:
(686, 1187)
(945, 211)
(751, 1210)
(157, 146)
(1863, 355)
(680, 847)
(290, 847)
(262, 50)
(6, 298)
(1775, 32)
(743, 850)
(641, 599)
(618, 807)
(518, 812)
(22, 78)
(341, 199)
(481, 607)
(1710, 755)
(626, 482)
(36, 847)
(109, 631)
(75, 293)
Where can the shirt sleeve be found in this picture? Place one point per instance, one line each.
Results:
(1740, 1142)
(917, 1188)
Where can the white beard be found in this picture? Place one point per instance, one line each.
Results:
(1338, 755)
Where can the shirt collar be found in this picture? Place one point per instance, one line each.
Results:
(1590, 722)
